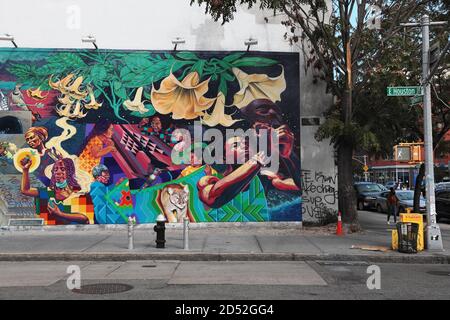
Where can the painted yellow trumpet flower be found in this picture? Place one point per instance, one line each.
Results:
(36, 94)
(137, 104)
(185, 99)
(64, 110)
(78, 112)
(93, 104)
(61, 83)
(65, 100)
(258, 86)
(74, 89)
(218, 116)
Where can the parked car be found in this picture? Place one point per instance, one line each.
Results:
(367, 193)
(406, 200)
(443, 201)
(391, 184)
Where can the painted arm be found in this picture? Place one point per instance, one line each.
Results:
(25, 188)
(216, 192)
(293, 167)
(75, 217)
(100, 152)
(289, 158)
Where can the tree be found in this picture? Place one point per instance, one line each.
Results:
(336, 40)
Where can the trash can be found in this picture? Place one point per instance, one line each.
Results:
(407, 237)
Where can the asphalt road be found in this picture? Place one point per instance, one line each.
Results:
(227, 281)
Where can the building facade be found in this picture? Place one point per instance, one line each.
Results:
(139, 37)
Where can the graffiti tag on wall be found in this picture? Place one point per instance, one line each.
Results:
(319, 193)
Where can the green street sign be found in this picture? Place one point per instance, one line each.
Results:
(416, 100)
(404, 91)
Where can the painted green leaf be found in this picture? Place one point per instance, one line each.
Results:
(223, 86)
(233, 57)
(228, 76)
(119, 90)
(98, 73)
(138, 62)
(187, 56)
(198, 67)
(254, 62)
(66, 60)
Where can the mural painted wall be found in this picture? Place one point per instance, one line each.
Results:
(95, 137)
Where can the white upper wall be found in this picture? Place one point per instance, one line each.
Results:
(134, 24)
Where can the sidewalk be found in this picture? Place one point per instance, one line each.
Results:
(215, 244)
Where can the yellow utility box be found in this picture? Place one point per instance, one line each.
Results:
(411, 218)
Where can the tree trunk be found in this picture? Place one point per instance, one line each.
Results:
(346, 191)
(418, 188)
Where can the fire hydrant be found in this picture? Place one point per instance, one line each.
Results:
(160, 230)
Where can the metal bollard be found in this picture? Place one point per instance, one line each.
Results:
(186, 233)
(160, 230)
(130, 233)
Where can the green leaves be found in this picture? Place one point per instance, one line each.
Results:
(65, 61)
(187, 56)
(98, 73)
(198, 67)
(120, 90)
(254, 62)
(233, 57)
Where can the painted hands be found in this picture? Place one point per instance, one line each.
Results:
(26, 163)
(261, 159)
(286, 140)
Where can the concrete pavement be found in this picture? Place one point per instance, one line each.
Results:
(216, 244)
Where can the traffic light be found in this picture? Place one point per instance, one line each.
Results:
(409, 152)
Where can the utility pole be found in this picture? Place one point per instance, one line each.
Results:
(433, 232)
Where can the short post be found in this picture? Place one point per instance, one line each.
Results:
(186, 233)
(160, 230)
(130, 233)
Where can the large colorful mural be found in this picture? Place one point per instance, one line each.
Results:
(98, 136)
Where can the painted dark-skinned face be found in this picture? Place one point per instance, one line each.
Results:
(104, 177)
(110, 132)
(60, 171)
(156, 124)
(263, 112)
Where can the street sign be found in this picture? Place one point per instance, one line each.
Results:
(404, 91)
(416, 100)
(366, 168)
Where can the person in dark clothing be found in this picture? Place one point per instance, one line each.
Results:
(392, 205)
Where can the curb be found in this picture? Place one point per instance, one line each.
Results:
(196, 256)
(169, 226)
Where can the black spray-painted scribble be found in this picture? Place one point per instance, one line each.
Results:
(319, 193)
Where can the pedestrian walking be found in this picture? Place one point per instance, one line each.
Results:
(392, 205)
